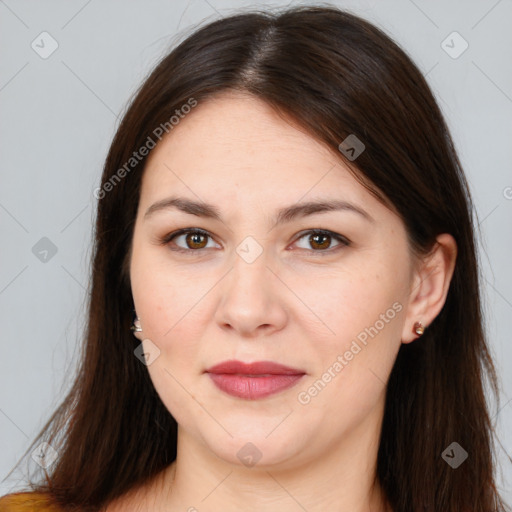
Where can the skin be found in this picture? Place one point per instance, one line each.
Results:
(292, 304)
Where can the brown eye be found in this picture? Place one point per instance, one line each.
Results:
(320, 241)
(194, 240)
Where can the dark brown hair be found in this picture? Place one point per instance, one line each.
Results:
(334, 74)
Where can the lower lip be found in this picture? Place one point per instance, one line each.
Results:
(253, 388)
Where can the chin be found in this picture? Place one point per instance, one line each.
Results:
(254, 448)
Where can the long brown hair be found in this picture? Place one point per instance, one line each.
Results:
(335, 75)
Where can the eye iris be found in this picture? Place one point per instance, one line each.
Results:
(315, 237)
(195, 238)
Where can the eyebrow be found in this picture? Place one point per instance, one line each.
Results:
(287, 214)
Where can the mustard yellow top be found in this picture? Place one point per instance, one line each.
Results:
(27, 502)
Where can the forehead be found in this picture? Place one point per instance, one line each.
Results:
(234, 148)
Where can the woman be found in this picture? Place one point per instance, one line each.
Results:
(285, 309)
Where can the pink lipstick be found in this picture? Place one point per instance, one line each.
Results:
(253, 381)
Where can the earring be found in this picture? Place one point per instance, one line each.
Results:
(136, 327)
(418, 328)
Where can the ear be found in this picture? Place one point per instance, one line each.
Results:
(430, 284)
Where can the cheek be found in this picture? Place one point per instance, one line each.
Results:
(164, 303)
(163, 296)
(360, 321)
(342, 304)
(166, 309)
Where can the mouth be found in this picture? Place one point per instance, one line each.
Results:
(253, 381)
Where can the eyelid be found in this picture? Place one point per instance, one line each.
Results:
(343, 241)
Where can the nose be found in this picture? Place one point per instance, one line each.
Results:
(251, 299)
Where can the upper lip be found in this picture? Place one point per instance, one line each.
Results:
(256, 368)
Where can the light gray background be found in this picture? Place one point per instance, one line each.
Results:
(58, 116)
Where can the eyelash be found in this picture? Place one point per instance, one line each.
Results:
(344, 242)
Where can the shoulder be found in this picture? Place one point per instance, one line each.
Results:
(27, 502)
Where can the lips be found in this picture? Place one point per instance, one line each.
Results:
(252, 381)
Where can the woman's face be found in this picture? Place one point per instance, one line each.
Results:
(261, 287)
